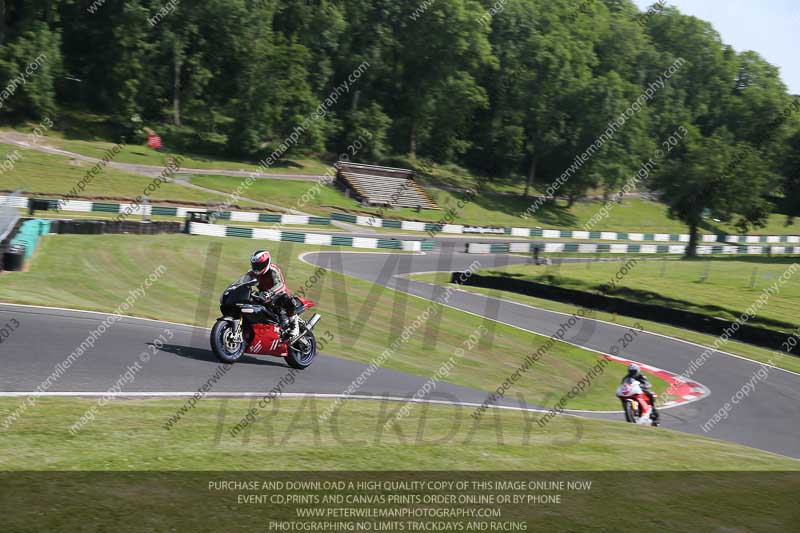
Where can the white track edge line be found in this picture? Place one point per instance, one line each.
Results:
(94, 394)
(104, 313)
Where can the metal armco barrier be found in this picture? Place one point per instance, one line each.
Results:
(99, 227)
(766, 338)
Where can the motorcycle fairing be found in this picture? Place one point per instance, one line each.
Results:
(267, 341)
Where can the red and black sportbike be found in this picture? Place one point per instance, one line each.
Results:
(247, 325)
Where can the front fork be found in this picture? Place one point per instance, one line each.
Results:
(237, 331)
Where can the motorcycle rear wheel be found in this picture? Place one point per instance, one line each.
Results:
(222, 344)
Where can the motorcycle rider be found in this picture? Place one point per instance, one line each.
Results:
(273, 292)
(634, 372)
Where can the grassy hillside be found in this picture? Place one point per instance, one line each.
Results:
(142, 155)
(42, 173)
(91, 134)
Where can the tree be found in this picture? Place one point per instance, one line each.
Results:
(516, 91)
(364, 135)
(620, 154)
(29, 66)
(731, 106)
(439, 56)
(545, 68)
(699, 179)
(790, 169)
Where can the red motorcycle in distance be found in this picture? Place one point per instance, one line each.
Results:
(635, 402)
(247, 326)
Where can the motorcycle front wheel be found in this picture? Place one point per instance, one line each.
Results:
(301, 354)
(630, 414)
(225, 348)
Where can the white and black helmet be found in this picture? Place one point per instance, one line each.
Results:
(260, 262)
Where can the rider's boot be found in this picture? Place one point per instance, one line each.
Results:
(295, 326)
(286, 325)
(654, 414)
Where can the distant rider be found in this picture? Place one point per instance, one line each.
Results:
(273, 292)
(634, 372)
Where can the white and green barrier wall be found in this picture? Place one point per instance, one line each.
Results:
(218, 230)
(540, 233)
(595, 248)
(86, 206)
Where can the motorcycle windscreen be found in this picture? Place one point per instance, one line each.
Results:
(247, 277)
(237, 292)
(630, 387)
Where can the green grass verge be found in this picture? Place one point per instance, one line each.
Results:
(322, 199)
(762, 355)
(721, 287)
(129, 435)
(96, 273)
(38, 172)
(94, 215)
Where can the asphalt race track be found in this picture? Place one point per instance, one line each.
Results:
(767, 419)
(182, 365)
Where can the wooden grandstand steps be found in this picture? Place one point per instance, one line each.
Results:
(387, 186)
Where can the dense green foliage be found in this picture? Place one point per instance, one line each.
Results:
(513, 89)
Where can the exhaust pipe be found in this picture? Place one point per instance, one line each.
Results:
(313, 322)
